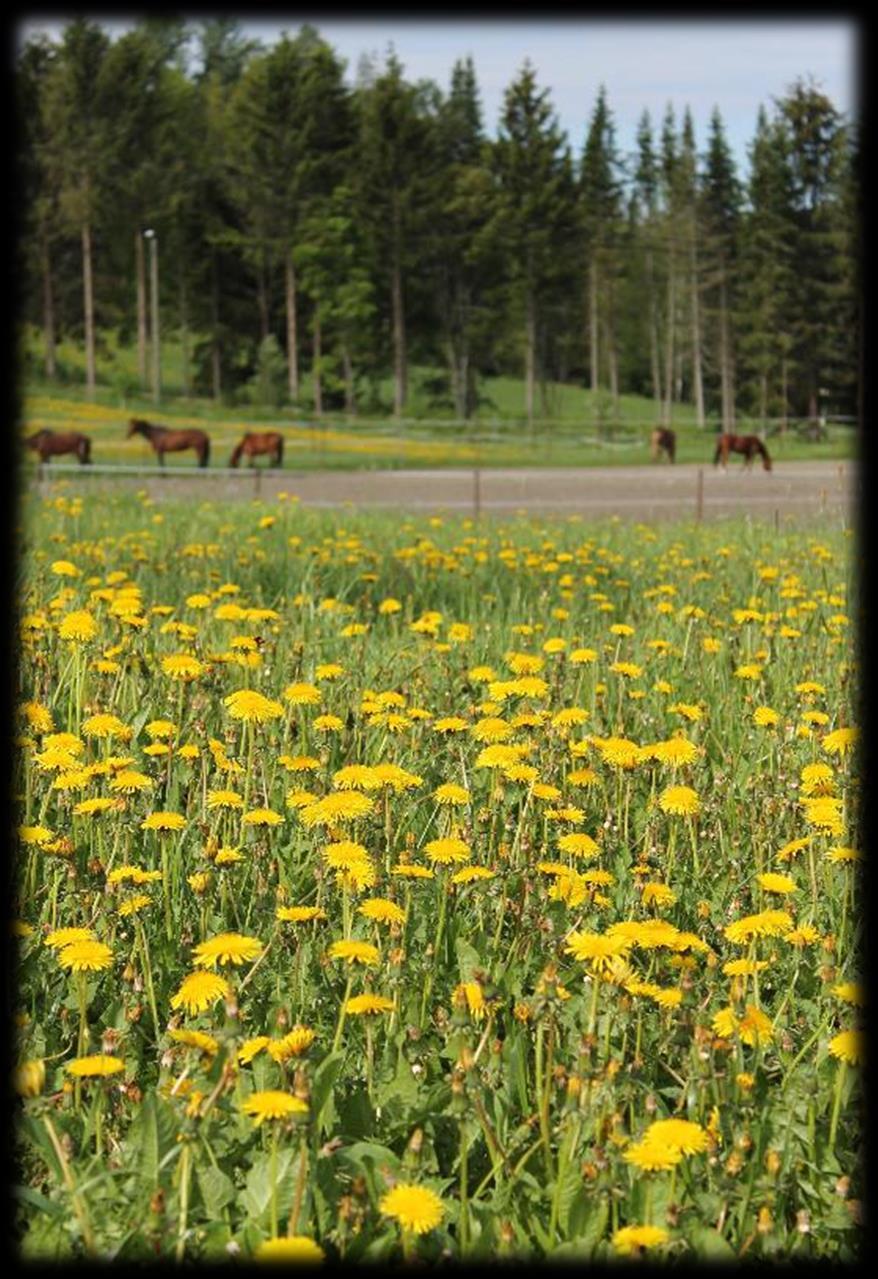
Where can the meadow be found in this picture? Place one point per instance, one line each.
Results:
(395, 888)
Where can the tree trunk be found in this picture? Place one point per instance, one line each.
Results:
(292, 342)
(529, 357)
(697, 379)
(215, 353)
(184, 336)
(48, 306)
(669, 343)
(654, 364)
(399, 359)
(784, 391)
(725, 361)
(463, 381)
(88, 300)
(140, 271)
(763, 402)
(262, 297)
(594, 348)
(315, 367)
(350, 403)
(613, 361)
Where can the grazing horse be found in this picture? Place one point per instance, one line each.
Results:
(164, 440)
(749, 445)
(49, 443)
(254, 445)
(663, 439)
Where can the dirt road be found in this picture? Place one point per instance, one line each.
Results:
(793, 490)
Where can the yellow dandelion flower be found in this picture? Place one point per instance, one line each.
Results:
(199, 990)
(270, 1103)
(630, 1239)
(680, 801)
(368, 1004)
(298, 1249)
(416, 1208)
(353, 952)
(382, 911)
(227, 948)
(95, 1067)
(85, 956)
(252, 707)
(849, 1046)
(773, 883)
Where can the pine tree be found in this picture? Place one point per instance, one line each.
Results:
(825, 303)
(721, 203)
(535, 208)
(766, 273)
(600, 195)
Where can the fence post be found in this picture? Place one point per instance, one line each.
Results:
(477, 492)
(699, 496)
(257, 475)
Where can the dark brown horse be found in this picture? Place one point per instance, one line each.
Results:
(164, 440)
(50, 443)
(749, 445)
(254, 445)
(663, 440)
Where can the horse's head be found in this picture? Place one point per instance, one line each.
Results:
(134, 426)
(766, 462)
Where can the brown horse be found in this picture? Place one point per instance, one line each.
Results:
(164, 440)
(749, 445)
(254, 445)
(50, 443)
(663, 439)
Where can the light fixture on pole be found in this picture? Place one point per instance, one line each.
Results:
(153, 239)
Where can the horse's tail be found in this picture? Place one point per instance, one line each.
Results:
(719, 450)
(204, 455)
(280, 451)
(236, 453)
(84, 450)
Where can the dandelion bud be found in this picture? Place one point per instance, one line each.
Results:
(772, 1162)
(842, 1186)
(29, 1078)
(650, 1105)
(764, 1222)
(282, 1020)
(157, 1203)
(803, 1221)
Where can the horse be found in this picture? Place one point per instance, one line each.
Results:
(749, 445)
(254, 445)
(663, 439)
(164, 440)
(49, 443)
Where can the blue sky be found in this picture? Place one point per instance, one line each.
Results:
(644, 63)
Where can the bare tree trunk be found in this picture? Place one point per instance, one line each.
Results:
(140, 271)
(215, 354)
(262, 298)
(594, 348)
(350, 403)
(669, 343)
(88, 299)
(399, 358)
(697, 378)
(654, 364)
(529, 357)
(613, 361)
(453, 375)
(48, 306)
(463, 379)
(763, 401)
(725, 361)
(784, 391)
(184, 336)
(315, 367)
(292, 341)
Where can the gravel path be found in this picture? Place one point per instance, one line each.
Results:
(792, 490)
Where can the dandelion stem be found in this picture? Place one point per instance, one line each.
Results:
(184, 1201)
(836, 1103)
(342, 1012)
(78, 1205)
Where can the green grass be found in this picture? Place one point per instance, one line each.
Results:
(515, 1107)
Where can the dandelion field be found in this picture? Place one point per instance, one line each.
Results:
(396, 888)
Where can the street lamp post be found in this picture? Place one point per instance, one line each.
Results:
(151, 236)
